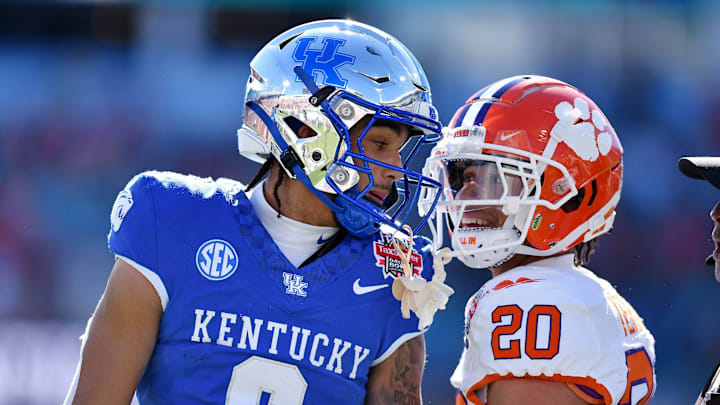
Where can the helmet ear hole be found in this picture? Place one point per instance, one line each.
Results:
(594, 192)
(574, 203)
(295, 125)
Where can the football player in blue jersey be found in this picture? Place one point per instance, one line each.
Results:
(278, 292)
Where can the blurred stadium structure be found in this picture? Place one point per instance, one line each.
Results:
(93, 92)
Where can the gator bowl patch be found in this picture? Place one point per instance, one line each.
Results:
(388, 259)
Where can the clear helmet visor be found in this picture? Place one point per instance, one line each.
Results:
(483, 180)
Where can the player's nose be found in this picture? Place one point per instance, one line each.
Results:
(392, 174)
(468, 191)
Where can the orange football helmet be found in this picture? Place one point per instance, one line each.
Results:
(538, 151)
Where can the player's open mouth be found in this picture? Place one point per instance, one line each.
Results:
(376, 197)
(472, 223)
(483, 218)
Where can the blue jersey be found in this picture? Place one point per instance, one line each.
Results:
(241, 324)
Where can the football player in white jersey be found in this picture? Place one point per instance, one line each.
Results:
(708, 168)
(531, 172)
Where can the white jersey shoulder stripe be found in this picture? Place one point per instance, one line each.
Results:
(390, 350)
(152, 277)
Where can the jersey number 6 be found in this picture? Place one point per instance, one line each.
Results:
(262, 381)
(542, 329)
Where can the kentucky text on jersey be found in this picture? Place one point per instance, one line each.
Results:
(246, 336)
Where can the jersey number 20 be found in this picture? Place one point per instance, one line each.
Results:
(550, 336)
(641, 380)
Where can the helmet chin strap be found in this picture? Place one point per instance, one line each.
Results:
(485, 237)
(352, 217)
(505, 260)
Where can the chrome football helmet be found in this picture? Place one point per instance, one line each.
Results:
(329, 75)
(529, 165)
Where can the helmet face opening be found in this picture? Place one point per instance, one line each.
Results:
(478, 179)
(341, 78)
(487, 202)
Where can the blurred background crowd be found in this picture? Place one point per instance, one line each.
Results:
(93, 92)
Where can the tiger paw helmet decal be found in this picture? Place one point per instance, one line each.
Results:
(578, 133)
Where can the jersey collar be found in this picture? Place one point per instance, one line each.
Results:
(564, 261)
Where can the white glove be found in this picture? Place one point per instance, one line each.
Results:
(423, 297)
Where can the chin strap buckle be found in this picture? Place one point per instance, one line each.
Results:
(290, 158)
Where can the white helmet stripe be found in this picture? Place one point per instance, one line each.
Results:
(471, 113)
(490, 92)
(493, 88)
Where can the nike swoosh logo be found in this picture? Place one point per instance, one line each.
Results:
(505, 136)
(360, 290)
(320, 240)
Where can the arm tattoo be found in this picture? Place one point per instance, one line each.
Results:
(407, 372)
(401, 384)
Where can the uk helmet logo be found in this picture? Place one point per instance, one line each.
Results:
(324, 61)
(216, 260)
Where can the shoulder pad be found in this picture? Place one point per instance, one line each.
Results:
(202, 187)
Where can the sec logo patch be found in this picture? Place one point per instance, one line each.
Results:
(216, 260)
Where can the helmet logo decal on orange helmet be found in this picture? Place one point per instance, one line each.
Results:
(572, 127)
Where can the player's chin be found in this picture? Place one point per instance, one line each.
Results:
(717, 271)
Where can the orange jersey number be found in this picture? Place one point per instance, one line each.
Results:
(641, 378)
(531, 332)
(554, 333)
(515, 313)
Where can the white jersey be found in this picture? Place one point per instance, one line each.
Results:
(555, 321)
